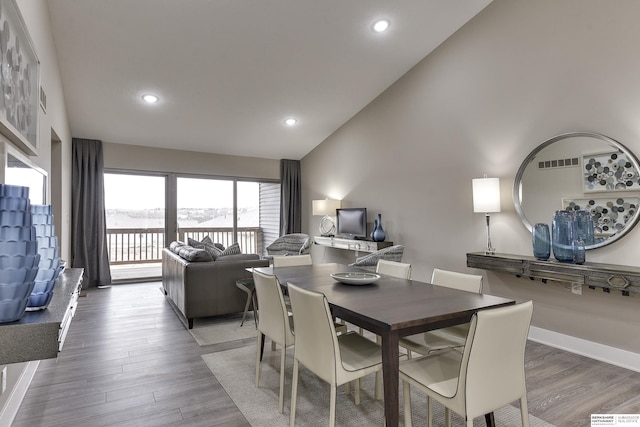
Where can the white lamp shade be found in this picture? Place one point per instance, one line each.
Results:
(486, 195)
(325, 207)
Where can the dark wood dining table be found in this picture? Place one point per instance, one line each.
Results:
(391, 308)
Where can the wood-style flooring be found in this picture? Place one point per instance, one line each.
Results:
(129, 361)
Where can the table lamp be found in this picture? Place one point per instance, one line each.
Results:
(326, 207)
(486, 198)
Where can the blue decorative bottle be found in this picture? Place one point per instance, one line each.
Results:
(585, 227)
(378, 233)
(563, 233)
(373, 230)
(541, 240)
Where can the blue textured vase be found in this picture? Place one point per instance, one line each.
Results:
(541, 240)
(585, 227)
(48, 250)
(378, 233)
(373, 230)
(563, 233)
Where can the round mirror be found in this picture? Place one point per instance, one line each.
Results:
(580, 170)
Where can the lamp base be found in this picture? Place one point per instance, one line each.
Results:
(327, 226)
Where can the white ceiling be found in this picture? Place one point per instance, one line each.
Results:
(228, 72)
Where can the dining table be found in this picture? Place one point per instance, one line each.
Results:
(391, 308)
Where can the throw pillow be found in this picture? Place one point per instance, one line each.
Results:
(234, 249)
(213, 250)
(195, 243)
(193, 254)
(391, 253)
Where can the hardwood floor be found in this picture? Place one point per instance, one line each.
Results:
(129, 361)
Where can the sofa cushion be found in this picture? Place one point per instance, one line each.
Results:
(192, 254)
(175, 245)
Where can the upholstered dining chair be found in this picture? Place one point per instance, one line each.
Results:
(394, 268)
(487, 376)
(292, 260)
(274, 322)
(336, 359)
(370, 261)
(452, 336)
(290, 244)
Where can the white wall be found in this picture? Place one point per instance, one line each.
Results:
(513, 77)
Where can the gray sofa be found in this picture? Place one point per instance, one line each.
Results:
(206, 288)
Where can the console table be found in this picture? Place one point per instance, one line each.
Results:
(351, 244)
(608, 277)
(41, 334)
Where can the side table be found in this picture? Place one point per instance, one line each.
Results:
(249, 287)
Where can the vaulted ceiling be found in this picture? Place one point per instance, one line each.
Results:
(229, 72)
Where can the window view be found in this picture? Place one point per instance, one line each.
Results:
(135, 214)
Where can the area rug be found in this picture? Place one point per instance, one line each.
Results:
(235, 370)
(217, 329)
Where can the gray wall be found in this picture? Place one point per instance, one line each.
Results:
(517, 74)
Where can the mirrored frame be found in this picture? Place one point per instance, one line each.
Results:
(573, 157)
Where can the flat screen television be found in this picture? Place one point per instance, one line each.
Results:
(352, 223)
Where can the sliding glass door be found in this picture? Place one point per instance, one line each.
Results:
(135, 214)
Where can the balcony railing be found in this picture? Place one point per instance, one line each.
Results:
(144, 245)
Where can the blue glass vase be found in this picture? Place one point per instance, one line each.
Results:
(373, 230)
(378, 233)
(563, 233)
(585, 227)
(578, 251)
(541, 240)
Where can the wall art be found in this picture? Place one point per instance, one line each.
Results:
(612, 171)
(19, 80)
(609, 214)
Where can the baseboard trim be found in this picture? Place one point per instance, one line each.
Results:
(604, 353)
(10, 409)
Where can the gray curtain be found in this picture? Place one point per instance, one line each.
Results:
(88, 221)
(290, 197)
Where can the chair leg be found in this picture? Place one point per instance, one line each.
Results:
(378, 393)
(447, 417)
(406, 390)
(258, 351)
(282, 360)
(429, 412)
(357, 393)
(332, 406)
(294, 393)
(524, 411)
(490, 420)
(347, 388)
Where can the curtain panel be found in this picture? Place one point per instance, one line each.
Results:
(88, 218)
(290, 197)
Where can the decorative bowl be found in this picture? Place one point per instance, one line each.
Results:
(356, 278)
(14, 203)
(10, 276)
(43, 286)
(47, 263)
(13, 217)
(14, 291)
(12, 247)
(17, 232)
(19, 261)
(39, 301)
(38, 218)
(48, 252)
(11, 311)
(41, 209)
(14, 191)
(45, 230)
(47, 241)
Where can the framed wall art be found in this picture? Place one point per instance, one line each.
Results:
(609, 214)
(612, 171)
(19, 80)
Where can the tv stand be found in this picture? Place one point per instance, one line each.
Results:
(350, 244)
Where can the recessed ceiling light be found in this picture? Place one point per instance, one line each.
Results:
(290, 121)
(381, 26)
(150, 99)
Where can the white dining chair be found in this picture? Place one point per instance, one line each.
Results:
(452, 336)
(394, 268)
(292, 260)
(336, 359)
(274, 322)
(487, 376)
